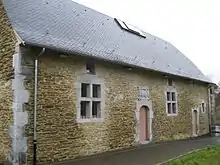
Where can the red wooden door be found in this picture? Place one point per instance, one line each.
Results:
(144, 132)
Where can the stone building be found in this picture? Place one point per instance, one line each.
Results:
(75, 82)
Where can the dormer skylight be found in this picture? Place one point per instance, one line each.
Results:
(130, 28)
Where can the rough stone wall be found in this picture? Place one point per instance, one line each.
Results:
(178, 127)
(7, 47)
(217, 103)
(60, 137)
(56, 112)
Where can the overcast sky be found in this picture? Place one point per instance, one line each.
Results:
(193, 26)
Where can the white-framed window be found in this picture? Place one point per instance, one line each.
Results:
(90, 104)
(203, 107)
(90, 99)
(171, 102)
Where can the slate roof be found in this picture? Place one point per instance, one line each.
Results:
(67, 26)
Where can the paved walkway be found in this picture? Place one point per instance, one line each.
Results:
(147, 154)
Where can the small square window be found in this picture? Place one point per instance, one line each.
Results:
(211, 91)
(84, 109)
(90, 67)
(96, 89)
(170, 82)
(203, 107)
(96, 109)
(85, 90)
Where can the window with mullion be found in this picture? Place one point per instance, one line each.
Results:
(90, 104)
(171, 107)
(171, 102)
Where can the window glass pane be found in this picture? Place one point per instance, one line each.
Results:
(169, 108)
(84, 109)
(96, 90)
(96, 109)
(170, 82)
(203, 107)
(90, 67)
(131, 27)
(173, 96)
(211, 91)
(168, 96)
(85, 91)
(122, 24)
(174, 107)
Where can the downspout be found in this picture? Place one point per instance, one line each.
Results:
(35, 104)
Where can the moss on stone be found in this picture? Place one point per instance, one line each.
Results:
(7, 45)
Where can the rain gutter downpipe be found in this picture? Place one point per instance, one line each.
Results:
(35, 104)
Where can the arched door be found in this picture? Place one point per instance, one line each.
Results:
(144, 124)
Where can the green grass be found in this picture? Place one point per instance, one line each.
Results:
(207, 156)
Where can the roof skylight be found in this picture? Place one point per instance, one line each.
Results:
(130, 28)
(122, 24)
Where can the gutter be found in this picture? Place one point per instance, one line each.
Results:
(35, 105)
(95, 56)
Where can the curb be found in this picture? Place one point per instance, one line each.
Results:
(182, 155)
(132, 148)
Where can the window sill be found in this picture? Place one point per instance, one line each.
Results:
(176, 114)
(90, 120)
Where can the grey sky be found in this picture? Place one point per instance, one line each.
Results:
(192, 26)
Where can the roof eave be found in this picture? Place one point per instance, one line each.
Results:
(114, 61)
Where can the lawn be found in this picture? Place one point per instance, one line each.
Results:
(206, 156)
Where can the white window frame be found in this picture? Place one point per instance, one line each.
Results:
(89, 79)
(176, 101)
